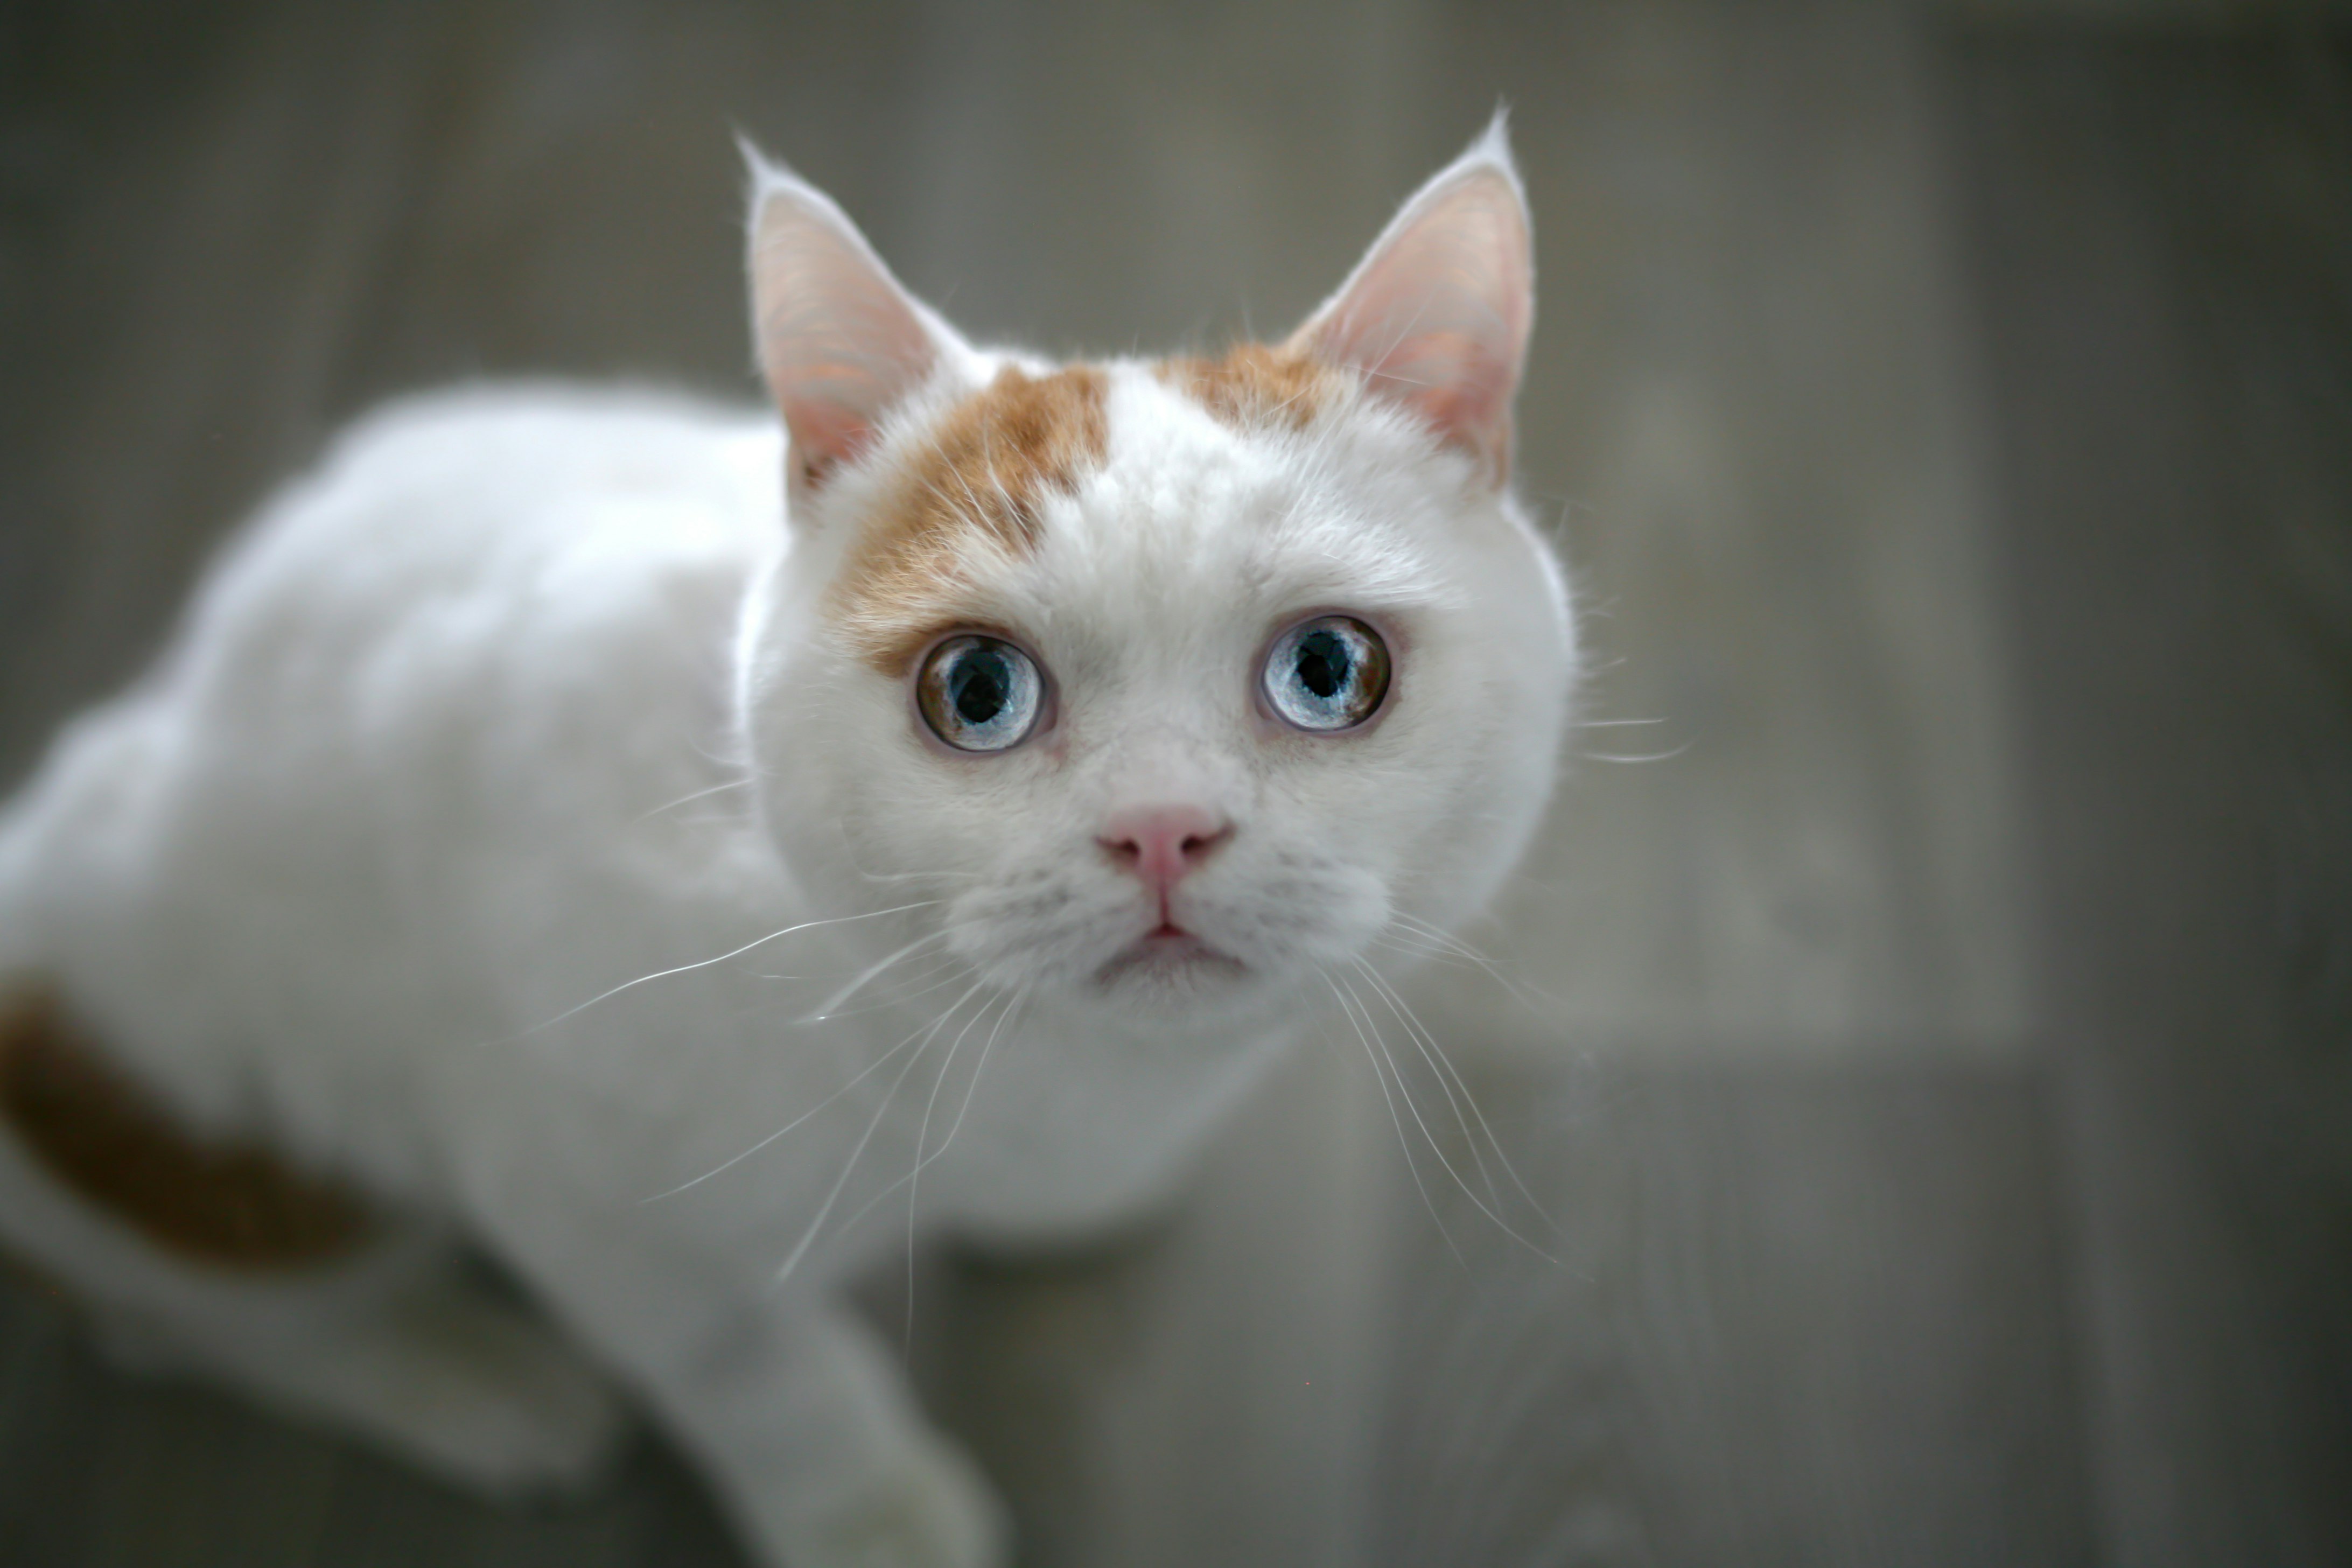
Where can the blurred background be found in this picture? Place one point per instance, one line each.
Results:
(1929, 1015)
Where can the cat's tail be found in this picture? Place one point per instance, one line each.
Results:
(194, 1252)
(71, 839)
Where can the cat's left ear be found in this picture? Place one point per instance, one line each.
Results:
(840, 342)
(1436, 315)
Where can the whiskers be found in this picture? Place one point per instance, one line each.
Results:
(874, 971)
(755, 944)
(980, 1010)
(849, 1166)
(876, 1065)
(850, 853)
(1004, 1005)
(1442, 1064)
(1665, 756)
(923, 1137)
(1475, 1134)
(1417, 939)
(690, 799)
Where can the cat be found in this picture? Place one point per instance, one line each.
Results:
(639, 838)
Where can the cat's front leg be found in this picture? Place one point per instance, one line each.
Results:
(812, 1431)
(801, 1417)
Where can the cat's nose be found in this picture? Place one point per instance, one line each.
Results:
(1163, 843)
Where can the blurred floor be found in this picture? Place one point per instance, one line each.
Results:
(1935, 1063)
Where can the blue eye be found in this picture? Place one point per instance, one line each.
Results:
(1327, 674)
(979, 694)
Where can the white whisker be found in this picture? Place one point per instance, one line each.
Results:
(874, 972)
(850, 853)
(1428, 953)
(922, 1136)
(1645, 757)
(1414, 1032)
(897, 992)
(1405, 1092)
(707, 962)
(970, 1088)
(690, 799)
(1446, 939)
(871, 1068)
(1020, 998)
(1395, 1121)
(1412, 1021)
(1451, 943)
(946, 972)
(1438, 1150)
(808, 1236)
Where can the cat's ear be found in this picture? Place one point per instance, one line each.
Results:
(840, 342)
(1435, 316)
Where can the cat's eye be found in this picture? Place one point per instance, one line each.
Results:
(1327, 673)
(978, 693)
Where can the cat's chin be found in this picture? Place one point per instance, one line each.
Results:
(1173, 964)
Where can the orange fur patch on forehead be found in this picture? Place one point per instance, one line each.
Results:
(975, 484)
(1255, 386)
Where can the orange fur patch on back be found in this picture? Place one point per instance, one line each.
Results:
(1255, 386)
(977, 482)
(232, 1205)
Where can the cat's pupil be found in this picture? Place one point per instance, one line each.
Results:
(1322, 664)
(979, 687)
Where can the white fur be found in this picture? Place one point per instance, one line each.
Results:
(527, 694)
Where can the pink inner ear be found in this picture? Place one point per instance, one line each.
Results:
(1449, 377)
(840, 342)
(1437, 316)
(825, 435)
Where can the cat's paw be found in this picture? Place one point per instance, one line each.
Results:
(932, 1509)
(494, 1398)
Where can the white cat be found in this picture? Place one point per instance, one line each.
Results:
(591, 826)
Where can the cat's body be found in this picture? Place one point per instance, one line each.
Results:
(413, 856)
(511, 707)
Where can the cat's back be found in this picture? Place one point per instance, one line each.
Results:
(457, 534)
(418, 711)
(524, 502)
(470, 573)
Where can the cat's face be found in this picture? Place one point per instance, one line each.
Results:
(1182, 686)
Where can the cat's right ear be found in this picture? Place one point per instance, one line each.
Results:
(1436, 317)
(840, 342)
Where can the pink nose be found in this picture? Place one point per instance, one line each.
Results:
(1163, 843)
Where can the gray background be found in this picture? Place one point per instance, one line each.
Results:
(1929, 1015)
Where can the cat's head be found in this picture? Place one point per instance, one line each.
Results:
(1180, 684)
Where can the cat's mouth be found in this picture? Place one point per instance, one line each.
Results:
(1167, 951)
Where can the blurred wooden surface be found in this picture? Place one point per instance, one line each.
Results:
(2165, 239)
(1936, 1066)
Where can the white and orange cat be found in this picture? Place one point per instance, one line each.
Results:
(639, 838)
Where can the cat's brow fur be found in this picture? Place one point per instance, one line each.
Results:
(1256, 385)
(974, 482)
